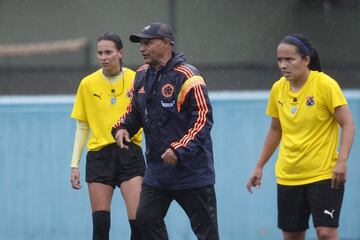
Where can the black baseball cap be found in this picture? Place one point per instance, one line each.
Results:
(154, 30)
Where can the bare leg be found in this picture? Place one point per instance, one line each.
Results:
(130, 191)
(294, 235)
(327, 233)
(100, 196)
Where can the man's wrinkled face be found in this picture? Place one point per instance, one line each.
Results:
(152, 50)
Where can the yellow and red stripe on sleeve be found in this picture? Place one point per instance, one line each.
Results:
(185, 70)
(128, 109)
(186, 87)
(200, 121)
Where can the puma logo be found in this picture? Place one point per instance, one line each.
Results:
(281, 103)
(329, 213)
(95, 95)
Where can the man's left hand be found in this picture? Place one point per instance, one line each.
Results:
(169, 156)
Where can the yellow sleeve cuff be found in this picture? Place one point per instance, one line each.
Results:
(81, 135)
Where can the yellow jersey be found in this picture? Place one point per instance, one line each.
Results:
(308, 148)
(100, 103)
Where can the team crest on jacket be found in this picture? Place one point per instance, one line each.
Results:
(310, 101)
(167, 90)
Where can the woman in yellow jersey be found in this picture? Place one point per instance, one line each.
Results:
(101, 97)
(307, 107)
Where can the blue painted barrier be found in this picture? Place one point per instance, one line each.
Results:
(38, 203)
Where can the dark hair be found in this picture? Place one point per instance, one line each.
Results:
(110, 36)
(304, 48)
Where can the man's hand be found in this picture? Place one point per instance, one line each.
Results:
(169, 156)
(122, 138)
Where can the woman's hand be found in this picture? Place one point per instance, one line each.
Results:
(75, 178)
(255, 179)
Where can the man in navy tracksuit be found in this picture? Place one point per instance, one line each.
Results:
(171, 103)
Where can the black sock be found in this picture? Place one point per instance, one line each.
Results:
(101, 225)
(135, 230)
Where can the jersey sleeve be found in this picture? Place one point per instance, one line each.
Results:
(79, 109)
(333, 94)
(272, 106)
(81, 134)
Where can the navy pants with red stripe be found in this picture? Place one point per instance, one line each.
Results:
(198, 203)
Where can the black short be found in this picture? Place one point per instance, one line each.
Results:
(296, 203)
(112, 165)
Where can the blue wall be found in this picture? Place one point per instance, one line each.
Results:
(38, 203)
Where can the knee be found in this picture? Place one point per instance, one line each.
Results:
(326, 233)
(294, 235)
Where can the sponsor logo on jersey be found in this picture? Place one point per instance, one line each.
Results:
(97, 95)
(281, 103)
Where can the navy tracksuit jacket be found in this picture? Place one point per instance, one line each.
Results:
(173, 107)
